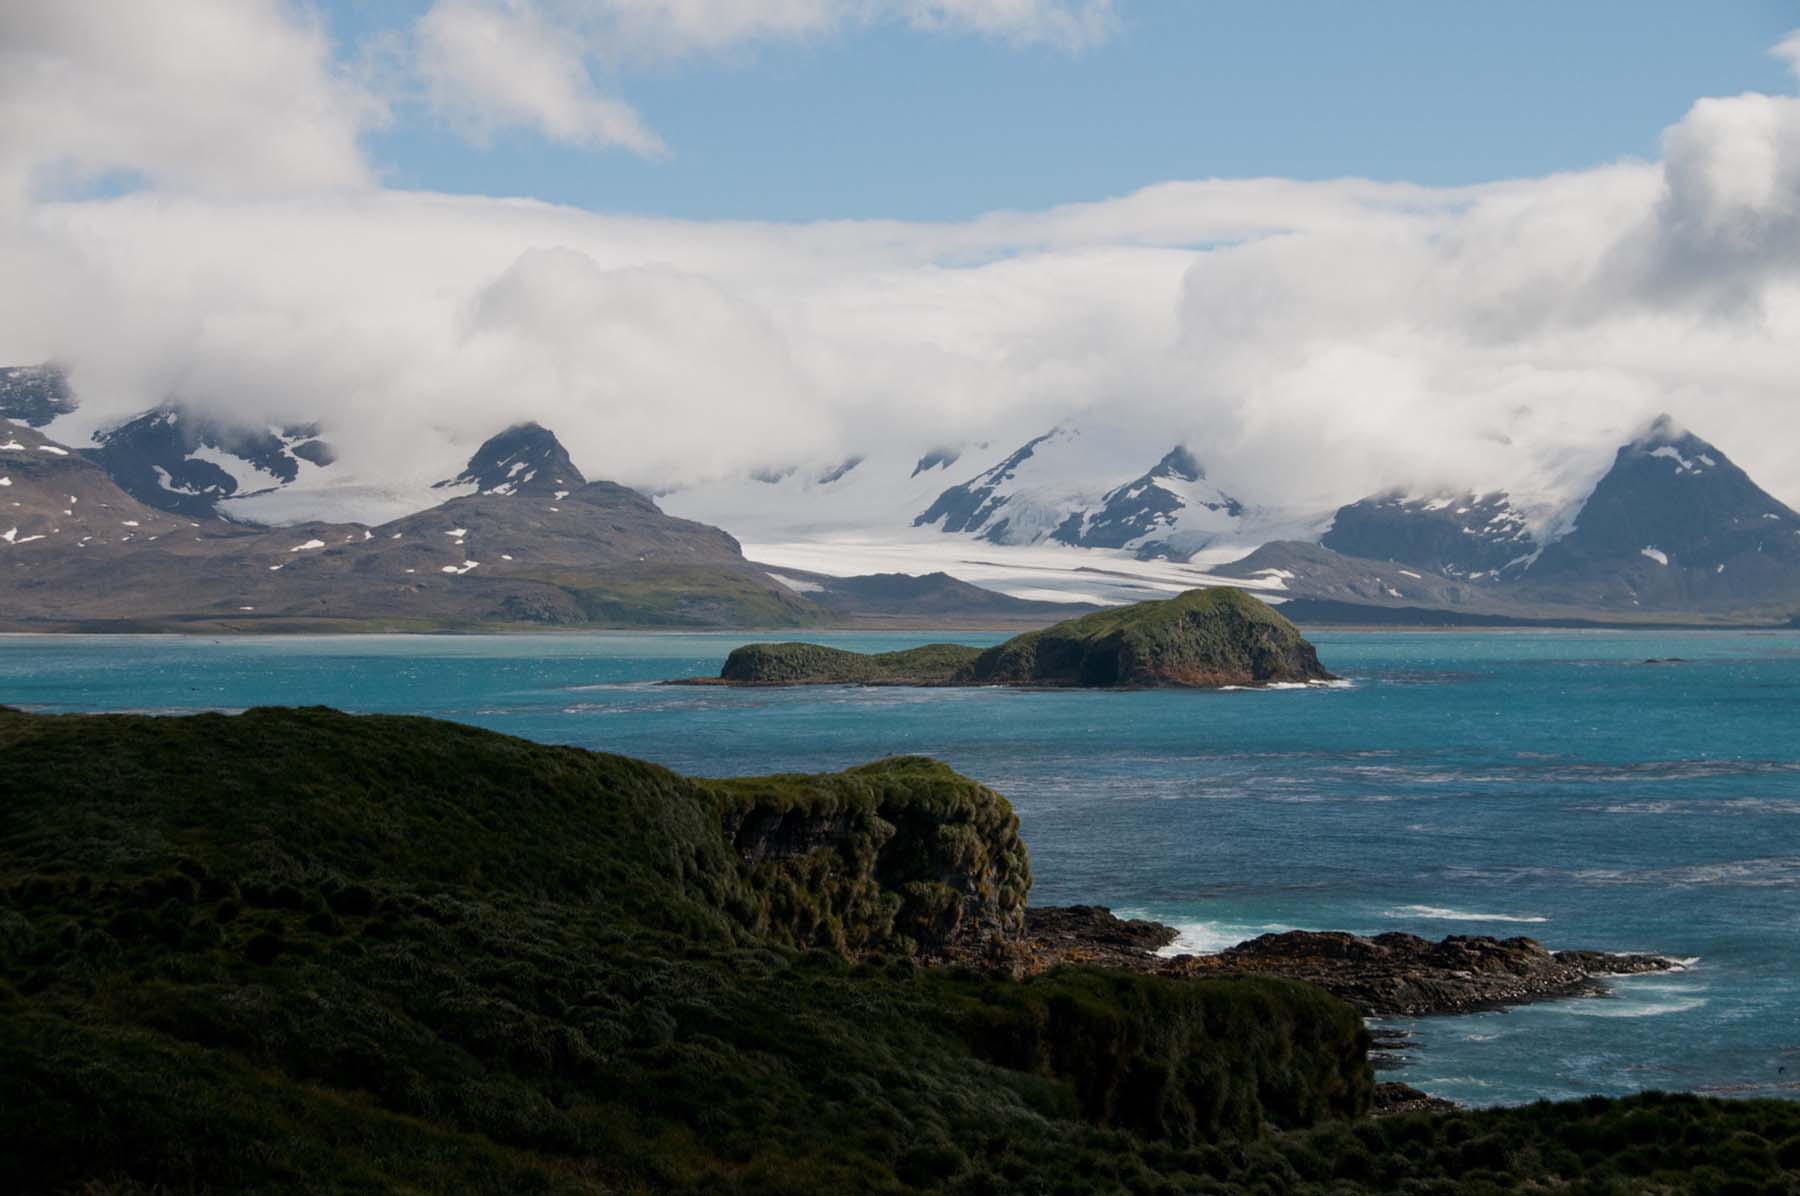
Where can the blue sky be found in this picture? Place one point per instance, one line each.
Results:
(887, 121)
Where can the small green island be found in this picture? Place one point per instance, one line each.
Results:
(1200, 639)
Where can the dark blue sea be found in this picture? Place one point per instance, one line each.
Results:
(1544, 783)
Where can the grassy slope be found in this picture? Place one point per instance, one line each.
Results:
(814, 664)
(384, 953)
(1217, 633)
(295, 950)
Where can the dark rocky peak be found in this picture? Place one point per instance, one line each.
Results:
(837, 471)
(1674, 494)
(525, 459)
(1178, 463)
(970, 506)
(177, 459)
(34, 394)
(1149, 503)
(1460, 535)
(939, 458)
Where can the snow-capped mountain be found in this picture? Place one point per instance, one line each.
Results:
(1673, 526)
(34, 394)
(176, 460)
(1674, 523)
(1459, 535)
(171, 457)
(1036, 493)
(525, 459)
(1172, 511)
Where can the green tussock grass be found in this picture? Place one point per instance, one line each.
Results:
(293, 950)
(796, 663)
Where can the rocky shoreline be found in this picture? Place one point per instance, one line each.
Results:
(1387, 975)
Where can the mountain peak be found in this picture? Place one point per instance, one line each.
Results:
(34, 394)
(1661, 430)
(526, 458)
(1180, 464)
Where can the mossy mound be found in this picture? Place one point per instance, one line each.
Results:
(1200, 639)
(298, 950)
(816, 664)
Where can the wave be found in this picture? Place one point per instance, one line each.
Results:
(1210, 938)
(1438, 913)
(1780, 872)
(1713, 807)
(1625, 1007)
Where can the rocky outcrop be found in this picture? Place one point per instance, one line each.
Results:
(1387, 975)
(1091, 934)
(899, 857)
(1405, 975)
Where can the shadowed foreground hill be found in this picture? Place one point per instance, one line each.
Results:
(296, 950)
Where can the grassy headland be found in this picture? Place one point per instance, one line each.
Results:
(297, 950)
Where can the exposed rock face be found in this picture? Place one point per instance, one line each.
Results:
(1403, 974)
(1457, 535)
(1674, 524)
(1203, 638)
(1147, 505)
(176, 460)
(902, 856)
(34, 394)
(525, 459)
(1388, 975)
(1091, 934)
(976, 505)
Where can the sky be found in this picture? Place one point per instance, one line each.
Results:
(875, 118)
(1331, 247)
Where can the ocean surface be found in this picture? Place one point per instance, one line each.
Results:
(1543, 783)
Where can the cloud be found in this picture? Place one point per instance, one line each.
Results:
(1312, 341)
(233, 96)
(1788, 50)
(492, 65)
(489, 66)
(675, 28)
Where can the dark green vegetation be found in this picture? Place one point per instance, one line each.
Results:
(293, 946)
(815, 664)
(1209, 637)
(296, 950)
(1202, 638)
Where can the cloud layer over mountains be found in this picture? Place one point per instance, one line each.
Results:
(1309, 341)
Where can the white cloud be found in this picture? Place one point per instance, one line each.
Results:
(489, 65)
(1312, 342)
(1788, 50)
(672, 28)
(231, 95)
(1072, 25)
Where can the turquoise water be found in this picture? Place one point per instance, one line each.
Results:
(1544, 783)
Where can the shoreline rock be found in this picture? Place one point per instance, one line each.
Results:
(1387, 975)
